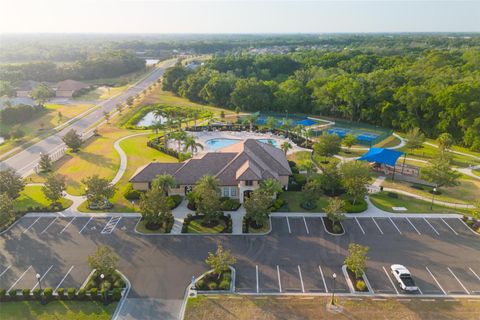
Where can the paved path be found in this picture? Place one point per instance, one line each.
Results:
(123, 156)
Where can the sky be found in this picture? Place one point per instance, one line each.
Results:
(224, 16)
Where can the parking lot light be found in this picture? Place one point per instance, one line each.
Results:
(333, 288)
(42, 301)
(433, 197)
(105, 294)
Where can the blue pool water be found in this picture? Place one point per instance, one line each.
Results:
(295, 121)
(361, 137)
(218, 143)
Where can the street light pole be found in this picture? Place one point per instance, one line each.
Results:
(433, 197)
(102, 276)
(333, 288)
(40, 287)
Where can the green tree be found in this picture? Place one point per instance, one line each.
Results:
(285, 146)
(271, 123)
(356, 261)
(17, 133)
(45, 163)
(355, 176)
(335, 210)
(155, 208)
(271, 186)
(220, 260)
(415, 139)
(440, 173)
(73, 140)
(258, 207)
(207, 199)
(287, 125)
(251, 94)
(349, 140)
(251, 119)
(54, 187)
(445, 141)
(41, 93)
(330, 181)
(310, 194)
(106, 115)
(164, 182)
(11, 183)
(192, 144)
(327, 145)
(6, 89)
(7, 214)
(104, 260)
(98, 190)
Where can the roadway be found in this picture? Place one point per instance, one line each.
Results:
(24, 161)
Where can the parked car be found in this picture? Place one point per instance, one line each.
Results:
(403, 277)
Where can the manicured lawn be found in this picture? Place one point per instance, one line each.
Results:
(476, 172)
(238, 307)
(195, 226)
(429, 152)
(65, 310)
(390, 142)
(385, 202)
(32, 196)
(294, 199)
(352, 153)
(300, 157)
(140, 227)
(264, 229)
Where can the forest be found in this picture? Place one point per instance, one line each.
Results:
(436, 90)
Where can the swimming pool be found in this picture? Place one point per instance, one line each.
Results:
(303, 121)
(218, 143)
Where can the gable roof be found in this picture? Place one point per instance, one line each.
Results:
(246, 160)
(71, 85)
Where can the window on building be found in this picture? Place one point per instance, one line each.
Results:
(225, 192)
(233, 191)
(249, 183)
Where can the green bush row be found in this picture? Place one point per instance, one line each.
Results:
(62, 294)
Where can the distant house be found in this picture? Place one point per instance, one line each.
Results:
(25, 88)
(68, 88)
(239, 168)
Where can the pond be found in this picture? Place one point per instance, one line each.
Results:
(151, 62)
(149, 119)
(218, 143)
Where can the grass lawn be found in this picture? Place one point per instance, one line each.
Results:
(385, 202)
(264, 229)
(140, 227)
(300, 157)
(238, 307)
(390, 142)
(195, 226)
(32, 196)
(476, 172)
(466, 192)
(294, 198)
(72, 310)
(429, 152)
(41, 126)
(352, 153)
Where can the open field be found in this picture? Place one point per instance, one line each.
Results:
(391, 141)
(66, 310)
(32, 196)
(265, 308)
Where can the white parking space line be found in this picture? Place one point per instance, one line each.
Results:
(435, 279)
(323, 279)
(476, 275)
(363, 231)
(413, 226)
(41, 278)
(431, 226)
(391, 281)
(279, 281)
(111, 224)
(7, 268)
(453, 230)
(458, 280)
(377, 226)
(46, 228)
(85, 225)
(301, 278)
(31, 225)
(471, 230)
(288, 225)
(256, 271)
(396, 227)
(68, 224)
(18, 280)
(306, 226)
(63, 279)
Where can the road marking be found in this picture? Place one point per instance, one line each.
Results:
(391, 220)
(15, 283)
(301, 279)
(41, 278)
(431, 226)
(435, 279)
(111, 224)
(458, 280)
(377, 225)
(85, 225)
(68, 224)
(256, 269)
(476, 275)
(391, 281)
(363, 231)
(413, 226)
(323, 279)
(306, 227)
(63, 279)
(279, 282)
(31, 225)
(288, 225)
(419, 290)
(44, 230)
(6, 269)
(449, 226)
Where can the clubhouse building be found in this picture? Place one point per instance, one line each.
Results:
(239, 169)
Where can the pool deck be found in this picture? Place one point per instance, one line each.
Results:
(202, 138)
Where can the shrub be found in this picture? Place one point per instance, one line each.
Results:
(71, 293)
(392, 195)
(37, 293)
(81, 293)
(48, 293)
(116, 294)
(3, 294)
(200, 284)
(26, 293)
(93, 293)
(13, 294)
(224, 285)
(299, 179)
(90, 284)
(212, 285)
(278, 203)
(228, 204)
(119, 283)
(337, 228)
(361, 286)
(132, 194)
(60, 293)
(177, 199)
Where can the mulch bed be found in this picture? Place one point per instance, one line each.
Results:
(354, 280)
(329, 226)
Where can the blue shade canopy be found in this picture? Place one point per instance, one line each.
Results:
(382, 155)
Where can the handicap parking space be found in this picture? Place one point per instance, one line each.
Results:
(127, 225)
(94, 226)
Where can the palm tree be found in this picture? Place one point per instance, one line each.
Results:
(286, 125)
(192, 144)
(164, 182)
(308, 134)
(208, 182)
(156, 126)
(252, 119)
(271, 123)
(271, 186)
(179, 136)
(286, 146)
(298, 130)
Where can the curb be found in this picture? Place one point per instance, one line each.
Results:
(125, 293)
(350, 284)
(333, 234)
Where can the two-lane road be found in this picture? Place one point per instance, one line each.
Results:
(24, 161)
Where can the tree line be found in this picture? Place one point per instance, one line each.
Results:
(435, 90)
